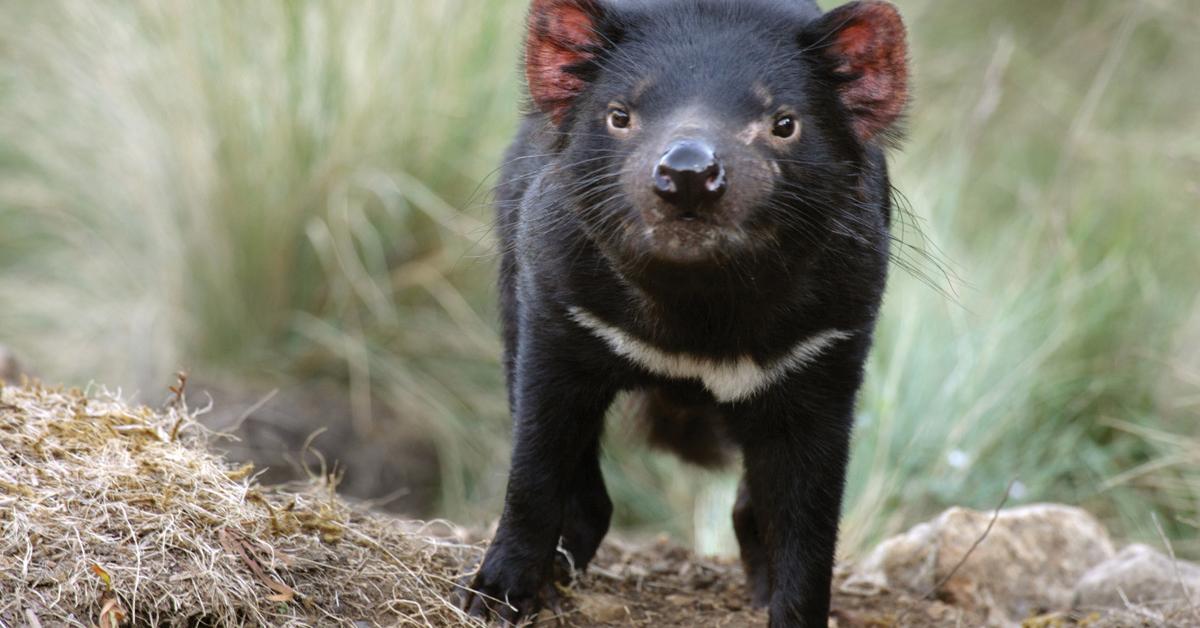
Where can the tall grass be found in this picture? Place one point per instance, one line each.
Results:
(282, 188)
(298, 190)
(1052, 158)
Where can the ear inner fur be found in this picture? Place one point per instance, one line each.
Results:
(868, 48)
(561, 34)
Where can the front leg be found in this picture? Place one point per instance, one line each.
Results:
(796, 489)
(558, 410)
(796, 443)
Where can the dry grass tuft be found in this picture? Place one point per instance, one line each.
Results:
(112, 514)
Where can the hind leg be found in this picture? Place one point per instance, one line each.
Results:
(753, 550)
(588, 512)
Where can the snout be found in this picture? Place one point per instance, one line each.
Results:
(694, 195)
(689, 177)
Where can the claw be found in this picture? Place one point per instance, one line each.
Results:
(478, 601)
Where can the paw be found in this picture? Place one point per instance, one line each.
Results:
(505, 589)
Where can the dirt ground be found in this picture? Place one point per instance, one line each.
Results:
(662, 585)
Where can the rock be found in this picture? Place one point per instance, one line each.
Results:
(10, 369)
(676, 599)
(602, 608)
(1146, 577)
(1029, 561)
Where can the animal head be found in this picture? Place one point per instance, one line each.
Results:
(696, 131)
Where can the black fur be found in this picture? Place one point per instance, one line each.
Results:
(811, 255)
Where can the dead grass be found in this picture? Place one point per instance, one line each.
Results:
(114, 515)
(111, 513)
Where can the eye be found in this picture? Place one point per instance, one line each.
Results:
(618, 118)
(785, 126)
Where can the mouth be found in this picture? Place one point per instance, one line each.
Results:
(688, 239)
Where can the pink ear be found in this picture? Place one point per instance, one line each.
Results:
(562, 33)
(866, 42)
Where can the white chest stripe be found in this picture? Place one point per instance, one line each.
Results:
(727, 380)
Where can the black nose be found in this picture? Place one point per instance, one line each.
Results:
(689, 175)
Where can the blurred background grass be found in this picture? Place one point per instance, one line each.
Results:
(294, 195)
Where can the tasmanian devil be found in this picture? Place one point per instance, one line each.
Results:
(696, 209)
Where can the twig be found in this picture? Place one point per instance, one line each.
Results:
(178, 402)
(1142, 611)
(178, 391)
(929, 595)
(1187, 595)
(239, 547)
(962, 561)
(255, 407)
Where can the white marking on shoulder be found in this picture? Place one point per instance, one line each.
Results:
(728, 380)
